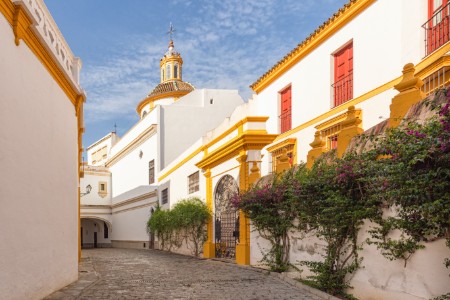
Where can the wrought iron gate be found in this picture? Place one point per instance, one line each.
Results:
(227, 234)
(226, 218)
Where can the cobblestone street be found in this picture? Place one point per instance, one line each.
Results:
(151, 274)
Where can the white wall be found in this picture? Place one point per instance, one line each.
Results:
(385, 37)
(39, 176)
(132, 170)
(183, 122)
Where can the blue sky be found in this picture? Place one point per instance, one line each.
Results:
(225, 44)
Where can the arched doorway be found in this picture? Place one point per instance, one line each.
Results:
(95, 233)
(226, 218)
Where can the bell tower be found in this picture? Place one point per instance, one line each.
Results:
(171, 86)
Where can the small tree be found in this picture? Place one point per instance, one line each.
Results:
(192, 215)
(186, 221)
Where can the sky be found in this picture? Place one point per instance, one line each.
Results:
(225, 44)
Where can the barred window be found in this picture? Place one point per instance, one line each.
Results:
(193, 180)
(165, 196)
(151, 171)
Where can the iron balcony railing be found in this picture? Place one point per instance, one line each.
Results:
(437, 31)
(285, 121)
(343, 90)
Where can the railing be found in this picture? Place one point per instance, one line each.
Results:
(437, 31)
(437, 80)
(343, 90)
(285, 121)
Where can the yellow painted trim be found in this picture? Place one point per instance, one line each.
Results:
(149, 132)
(432, 58)
(7, 9)
(249, 140)
(185, 160)
(21, 26)
(204, 148)
(345, 106)
(287, 142)
(443, 61)
(320, 35)
(331, 122)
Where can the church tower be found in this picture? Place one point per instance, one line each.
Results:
(171, 86)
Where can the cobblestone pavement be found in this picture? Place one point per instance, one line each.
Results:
(152, 274)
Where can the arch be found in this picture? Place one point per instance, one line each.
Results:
(99, 219)
(226, 218)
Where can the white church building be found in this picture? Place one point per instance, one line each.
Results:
(122, 173)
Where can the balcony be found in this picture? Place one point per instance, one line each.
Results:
(285, 121)
(343, 90)
(437, 30)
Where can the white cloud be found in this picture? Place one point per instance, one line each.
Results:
(224, 44)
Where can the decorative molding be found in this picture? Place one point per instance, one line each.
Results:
(134, 208)
(99, 141)
(347, 13)
(205, 147)
(135, 199)
(344, 106)
(287, 142)
(249, 140)
(139, 140)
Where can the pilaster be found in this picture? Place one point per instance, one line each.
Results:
(351, 127)
(318, 147)
(208, 246)
(243, 248)
(410, 94)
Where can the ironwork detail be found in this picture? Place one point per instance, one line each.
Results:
(226, 218)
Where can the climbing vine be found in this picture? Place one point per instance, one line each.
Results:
(401, 184)
(269, 207)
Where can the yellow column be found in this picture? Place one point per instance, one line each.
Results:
(208, 246)
(351, 127)
(318, 147)
(243, 248)
(410, 94)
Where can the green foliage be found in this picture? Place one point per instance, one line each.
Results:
(415, 182)
(407, 170)
(332, 201)
(272, 213)
(186, 221)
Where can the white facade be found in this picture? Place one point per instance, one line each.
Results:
(169, 127)
(39, 153)
(181, 134)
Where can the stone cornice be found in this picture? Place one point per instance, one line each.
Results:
(135, 199)
(139, 140)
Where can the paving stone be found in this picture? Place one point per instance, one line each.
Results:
(111, 273)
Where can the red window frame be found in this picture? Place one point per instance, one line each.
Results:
(343, 75)
(438, 29)
(286, 109)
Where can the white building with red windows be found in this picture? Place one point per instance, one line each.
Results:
(199, 143)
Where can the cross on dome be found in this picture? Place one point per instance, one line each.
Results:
(171, 31)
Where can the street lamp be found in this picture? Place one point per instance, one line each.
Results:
(88, 190)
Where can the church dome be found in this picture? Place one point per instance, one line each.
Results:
(172, 86)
